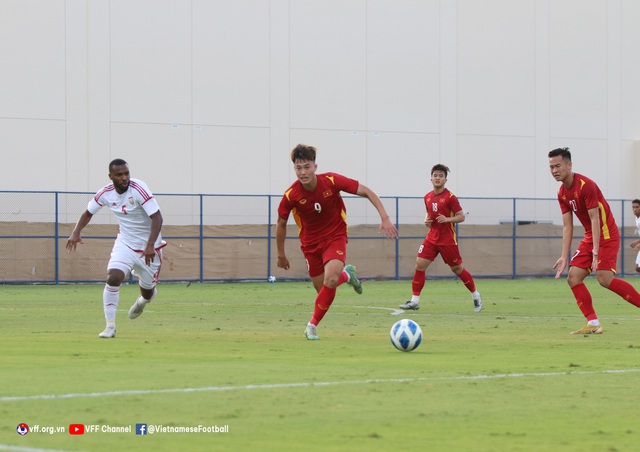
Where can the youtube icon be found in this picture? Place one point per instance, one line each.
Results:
(76, 429)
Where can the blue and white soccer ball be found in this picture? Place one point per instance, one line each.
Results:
(406, 335)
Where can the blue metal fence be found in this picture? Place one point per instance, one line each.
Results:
(34, 226)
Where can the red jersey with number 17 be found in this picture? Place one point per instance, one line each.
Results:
(447, 204)
(583, 195)
(320, 213)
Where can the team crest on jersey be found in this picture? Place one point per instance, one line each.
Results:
(327, 193)
(131, 200)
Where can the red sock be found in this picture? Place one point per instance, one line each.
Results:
(418, 282)
(625, 290)
(323, 302)
(467, 280)
(584, 300)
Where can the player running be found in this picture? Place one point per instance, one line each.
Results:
(320, 213)
(598, 250)
(443, 212)
(138, 245)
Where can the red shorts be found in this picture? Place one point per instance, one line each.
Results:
(319, 254)
(450, 253)
(607, 256)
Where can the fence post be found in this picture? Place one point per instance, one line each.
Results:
(514, 244)
(56, 240)
(269, 237)
(201, 238)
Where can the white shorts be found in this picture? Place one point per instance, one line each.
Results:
(127, 260)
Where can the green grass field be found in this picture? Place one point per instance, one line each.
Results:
(508, 379)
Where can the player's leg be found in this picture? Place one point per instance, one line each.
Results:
(316, 273)
(147, 280)
(426, 255)
(110, 300)
(606, 273)
(470, 284)
(337, 275)
(579, 269)
(638, 262)
(451, 257)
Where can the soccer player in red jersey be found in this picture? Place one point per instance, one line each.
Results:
(443, 211)
(319, 211)
(598, 250)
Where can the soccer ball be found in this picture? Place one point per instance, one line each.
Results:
(406, 335)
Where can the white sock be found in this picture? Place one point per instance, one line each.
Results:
(110, 300)
(142, 300)
(594, 322)
(475, 294)
(415, 298)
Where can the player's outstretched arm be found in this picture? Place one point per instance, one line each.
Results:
(281, 234)
(75, 236)
(386, 225)
(567, 236)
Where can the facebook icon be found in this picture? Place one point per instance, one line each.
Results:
(141, 429)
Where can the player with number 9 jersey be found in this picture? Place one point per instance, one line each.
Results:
(320, 213)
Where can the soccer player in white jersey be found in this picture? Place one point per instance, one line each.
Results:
(635, 205)
(139, 244)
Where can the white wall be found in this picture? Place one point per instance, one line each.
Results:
(209, 96)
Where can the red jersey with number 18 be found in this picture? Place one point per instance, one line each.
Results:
(320, 213)
(447, 204)
(583, 195)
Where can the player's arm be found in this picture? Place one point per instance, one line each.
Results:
(427, 220)
(567, 236)
(156, 226)
(386, 225)
(75, 236)
(281, 234)
(594, 216)
(457, 217)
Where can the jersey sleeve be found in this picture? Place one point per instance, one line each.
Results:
(590, 194)
(284, 208)
(564, 206)
(454, 204)
(344, 183)
(144, 196)
(97, 202)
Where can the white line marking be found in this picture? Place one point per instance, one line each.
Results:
(27, 449)
(393, 310)
(309, 384)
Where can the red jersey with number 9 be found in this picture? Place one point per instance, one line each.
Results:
(320, 213)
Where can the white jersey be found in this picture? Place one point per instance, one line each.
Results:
(638, 225)
(133, 209)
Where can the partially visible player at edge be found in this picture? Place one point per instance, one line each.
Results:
(443, 212)
(635, 205)
(138, 246)
(598, 250)
(320, 213)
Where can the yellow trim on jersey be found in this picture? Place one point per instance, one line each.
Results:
(296, 217)
(603, 218)
(453, 229)
(331, 179)
(286, 193)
